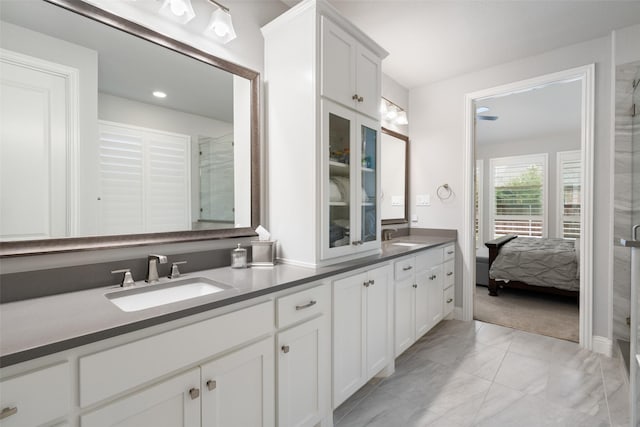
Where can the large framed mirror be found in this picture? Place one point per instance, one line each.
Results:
(394, 177)
(114, 135)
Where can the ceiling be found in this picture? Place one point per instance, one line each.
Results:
(130, 67)
(431, 41)
(534, 114)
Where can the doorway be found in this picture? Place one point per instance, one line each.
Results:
(584, 76)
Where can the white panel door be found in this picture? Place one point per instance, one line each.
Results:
(238, 389)
(404, 314)
(303, 372)
(434, 296)
(171, 403)
(377, 326)
(368, 82)
(338, 64)
(422, 317)
(349, 340)
(33, 132)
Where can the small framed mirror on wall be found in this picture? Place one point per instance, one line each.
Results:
(394, 177)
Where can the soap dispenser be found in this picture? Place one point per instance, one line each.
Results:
(239, 257)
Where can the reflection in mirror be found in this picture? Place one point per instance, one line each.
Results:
(394, 177)
(106, 133)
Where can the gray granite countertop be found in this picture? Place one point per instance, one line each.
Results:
(40, 326)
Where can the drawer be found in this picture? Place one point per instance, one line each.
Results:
(37, 397)
(428, 259)
(449, 273)
(404, 268)
(303, 305)
(115, 370)
(448, 300)
(449, 252)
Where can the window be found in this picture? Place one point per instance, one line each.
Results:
(478, 183)
(569, 199)
(518, 195)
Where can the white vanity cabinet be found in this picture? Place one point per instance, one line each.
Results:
(351, 73)
(449, 279)
(36, 398)
(304, 357)
(418, 296)
(324, 175)
(362, 329)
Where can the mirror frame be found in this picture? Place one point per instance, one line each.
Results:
(404, 138)
(72, 244)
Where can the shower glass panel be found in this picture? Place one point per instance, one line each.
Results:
(635, 254)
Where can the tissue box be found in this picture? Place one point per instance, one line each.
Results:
(263, 252)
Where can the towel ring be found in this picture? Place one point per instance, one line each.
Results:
(444, 192)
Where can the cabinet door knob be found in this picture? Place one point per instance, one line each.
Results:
(415, 285)
(360, 99)
(432, 277)
(365, 284)
(355, 97)
(211, 385)
(307, 305)
(372, 282)
(449, 300)
(285, 349)
(194, 393)
(8, 411)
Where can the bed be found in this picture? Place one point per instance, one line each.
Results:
(542, 265)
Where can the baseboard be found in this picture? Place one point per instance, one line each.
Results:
(602, 345)
(457, 313)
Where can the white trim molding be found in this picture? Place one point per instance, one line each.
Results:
(602, 345)
(586, 75)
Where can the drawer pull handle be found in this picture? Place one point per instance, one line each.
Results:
(211, 385)
(449, 300)
(415, 285)
(285, 349)
(7, 412)
(365, 284)
(407, 268)
(307, 305)
(449, 252)
(355, 97)
(432, 277)
(194, 393)
(450, 273)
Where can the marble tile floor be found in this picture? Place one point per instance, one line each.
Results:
(464, 374)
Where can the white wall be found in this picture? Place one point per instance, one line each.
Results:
(550, 144)
(438, 151)
(627, 44)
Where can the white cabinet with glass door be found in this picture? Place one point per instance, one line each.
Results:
(351, 181)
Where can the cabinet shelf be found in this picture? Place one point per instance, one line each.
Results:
(338, 204)
(371, 170)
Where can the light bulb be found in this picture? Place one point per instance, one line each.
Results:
(221, 29)
(178, 7)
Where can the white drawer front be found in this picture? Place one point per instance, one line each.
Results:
(429, 258)
(449, 273)
(303, 305)
(448, 300)
(404, 268)
(449, 252)
(35, 398)
(118, 369)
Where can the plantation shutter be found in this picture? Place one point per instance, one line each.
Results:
(570, 202)
(518, 195)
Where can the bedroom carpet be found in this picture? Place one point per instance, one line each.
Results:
(549, 315)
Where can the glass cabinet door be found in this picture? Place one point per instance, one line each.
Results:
(340, 213)
(368, 179)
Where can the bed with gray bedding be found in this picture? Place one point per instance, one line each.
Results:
(548, 265)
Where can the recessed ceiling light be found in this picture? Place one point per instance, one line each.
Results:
(159, 94)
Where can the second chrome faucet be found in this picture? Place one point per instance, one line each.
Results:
(152, 272)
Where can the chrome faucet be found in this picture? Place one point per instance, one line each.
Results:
(387, 232)
(154, 260)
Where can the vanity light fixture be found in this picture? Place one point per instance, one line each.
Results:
(159, 94)
(180, 9)
(220, 26)
(392, 113)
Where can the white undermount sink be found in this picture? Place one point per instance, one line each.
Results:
(406, 244)
(156, 295)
